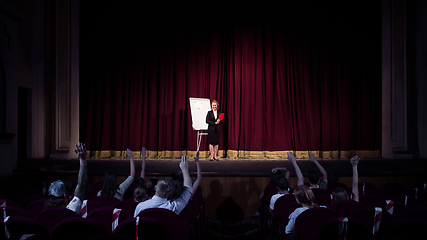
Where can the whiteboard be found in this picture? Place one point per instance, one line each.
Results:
(199, 109)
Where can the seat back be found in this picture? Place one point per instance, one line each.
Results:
(18, 225)
(35, 207)
(106, 217)
(167, 217)
(346, 208)
(312, 219)
(280, 205)
(368, 217)
(148, 228)
(405, 228)
(344, 228)
(104, 201)
(15, 211)
(127, 206)
(77, 228)
(49, 217)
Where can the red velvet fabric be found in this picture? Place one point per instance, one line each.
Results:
(287, 77)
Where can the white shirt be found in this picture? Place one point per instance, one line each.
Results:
(215, 114)
(176, 205)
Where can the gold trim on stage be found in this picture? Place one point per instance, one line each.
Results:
(241, 154)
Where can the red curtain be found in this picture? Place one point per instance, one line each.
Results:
(288, 77)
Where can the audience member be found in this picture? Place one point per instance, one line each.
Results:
(282, 186)
(109, 185)
(57, 189)
(339, 194)
(164, 189)
(140, 193)
(304, 196)
(315, 180)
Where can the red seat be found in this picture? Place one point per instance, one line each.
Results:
(167, 217)
(127, 206)
(77, 228)
(346, 208)
(148, 228)
(16, 211)
(355, 230)
(104, 215)
(35, 207)
(367, 215)
(18, 225)
(49, 217)
(313, 219)
(104, 201)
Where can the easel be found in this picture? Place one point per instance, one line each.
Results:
(199, 138)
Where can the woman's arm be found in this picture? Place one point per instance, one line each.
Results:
(300, 177)
(131, 162)
(199, 173)
(81, 152)
(209, 119)
(321, 169)
(355, 186)
(143, 152)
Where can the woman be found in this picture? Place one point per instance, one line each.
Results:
(214, 129)
(109, 185)
(304, 196)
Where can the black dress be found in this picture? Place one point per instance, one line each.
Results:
(214, 130)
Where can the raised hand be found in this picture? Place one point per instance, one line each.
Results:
(312, 157)
(143, 152)
(184, 163)
(291, 157)
(129, 153)
(196, 158)
(81, 152)
(354, 161)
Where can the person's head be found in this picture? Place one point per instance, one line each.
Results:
(339, 194)
(151, 182)
(140, 193)
(304, 196)
(57, 193)
(178, 182)
(214, 105)
(109, 185)
(164, 187)
(275, 175)
(313, 177)
(282, 184)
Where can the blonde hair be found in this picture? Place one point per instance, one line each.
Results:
(215, 101)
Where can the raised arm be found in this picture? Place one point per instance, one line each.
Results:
(287, 174)
(300, 177)
(131, 162)
(143, 152)
(199, 173)
(321, 169)
(355, 186)
(185, 173)
(81, 152)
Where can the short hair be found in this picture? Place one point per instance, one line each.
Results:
(140, 193)
(282, 183)
(164, 187)
(313, 177)
(339, 194)
(304, 195)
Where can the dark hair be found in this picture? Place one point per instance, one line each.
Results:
(282, 183)
(55, 202)
(339, 194)
(313, 177)
(151, 182)
(178, 182)
(109, 185)
(304, 195)
(276, 175)
(140, 193)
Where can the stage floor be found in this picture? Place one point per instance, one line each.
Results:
(230, 167)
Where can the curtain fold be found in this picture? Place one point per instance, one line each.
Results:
(286, 81)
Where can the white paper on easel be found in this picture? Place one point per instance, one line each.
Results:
(199, 109)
